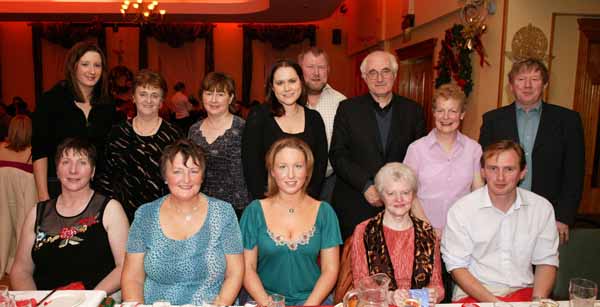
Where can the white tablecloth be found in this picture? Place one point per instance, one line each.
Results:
(93, 298)
(519, 304)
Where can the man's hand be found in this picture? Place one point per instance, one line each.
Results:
(563, 232)
(372, 196)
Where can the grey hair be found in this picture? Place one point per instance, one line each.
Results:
(395, 171)
(391, 59)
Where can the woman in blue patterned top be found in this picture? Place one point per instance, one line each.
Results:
(185, 247)
(286, 232)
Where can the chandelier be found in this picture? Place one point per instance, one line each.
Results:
(143, 11)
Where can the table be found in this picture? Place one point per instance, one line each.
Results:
(93, 298)
(519, 304)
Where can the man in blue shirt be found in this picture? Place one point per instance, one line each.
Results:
(551, 136)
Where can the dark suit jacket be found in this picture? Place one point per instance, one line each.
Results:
(558, 154)
(356, 152)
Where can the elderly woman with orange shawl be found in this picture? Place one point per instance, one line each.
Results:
(395, 242)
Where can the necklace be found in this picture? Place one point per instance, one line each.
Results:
(291, 210)
(187, 216)
(145, 132)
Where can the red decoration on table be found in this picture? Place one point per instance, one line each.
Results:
(77, 285)
(21, 303)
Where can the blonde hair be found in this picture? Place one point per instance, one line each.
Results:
(450, 91)
(278, 146)
(19, 133)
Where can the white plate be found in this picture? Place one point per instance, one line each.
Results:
(65, 300)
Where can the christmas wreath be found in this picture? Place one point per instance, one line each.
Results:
(454, 60)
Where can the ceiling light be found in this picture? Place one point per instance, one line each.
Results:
(141, 11)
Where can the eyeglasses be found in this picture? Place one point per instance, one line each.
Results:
(385, 73)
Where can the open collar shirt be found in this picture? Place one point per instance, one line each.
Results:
(329, 100)
(443, 177)
(498, 248)
(527, 126)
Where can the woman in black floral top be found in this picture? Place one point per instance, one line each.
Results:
(220, 135)
(134, 147)
(77, 237)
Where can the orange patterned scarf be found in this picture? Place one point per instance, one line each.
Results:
(378, 256)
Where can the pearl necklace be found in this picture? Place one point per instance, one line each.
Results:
(187, 216)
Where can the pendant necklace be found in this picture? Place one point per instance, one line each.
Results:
(187, 216)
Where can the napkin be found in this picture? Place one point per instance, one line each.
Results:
(25, 302)
(421, 294)
(77, 285)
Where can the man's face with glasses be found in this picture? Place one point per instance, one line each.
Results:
(379, 75)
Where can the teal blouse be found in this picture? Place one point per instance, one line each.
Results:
(289, 268)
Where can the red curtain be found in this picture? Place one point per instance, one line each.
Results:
(360, 87)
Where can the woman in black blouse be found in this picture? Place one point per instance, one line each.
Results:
(284, 114)
(134, 147)
(78, 106)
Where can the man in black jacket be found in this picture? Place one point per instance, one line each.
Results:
(552, 137)
(368, 132)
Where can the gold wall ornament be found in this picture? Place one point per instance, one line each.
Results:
(529, 42)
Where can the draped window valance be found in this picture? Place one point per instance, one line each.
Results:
(175, 35)
(65, 34)
(280, 37)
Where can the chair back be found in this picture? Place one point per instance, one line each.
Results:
(17, 196)
(344, 281)
(578, 258)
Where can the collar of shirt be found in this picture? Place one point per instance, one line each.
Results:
(381, 111)
(327, 87)
(486, 201)
(431, 140)
(536, 108)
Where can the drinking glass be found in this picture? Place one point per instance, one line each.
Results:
(582, 292)
(277, 300)
(8, 301)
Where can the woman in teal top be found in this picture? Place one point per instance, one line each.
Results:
(286, 232)
(185, 247)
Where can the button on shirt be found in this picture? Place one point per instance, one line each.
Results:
(527, 124)
(499, 248)
(329, 100)
(443, 177)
